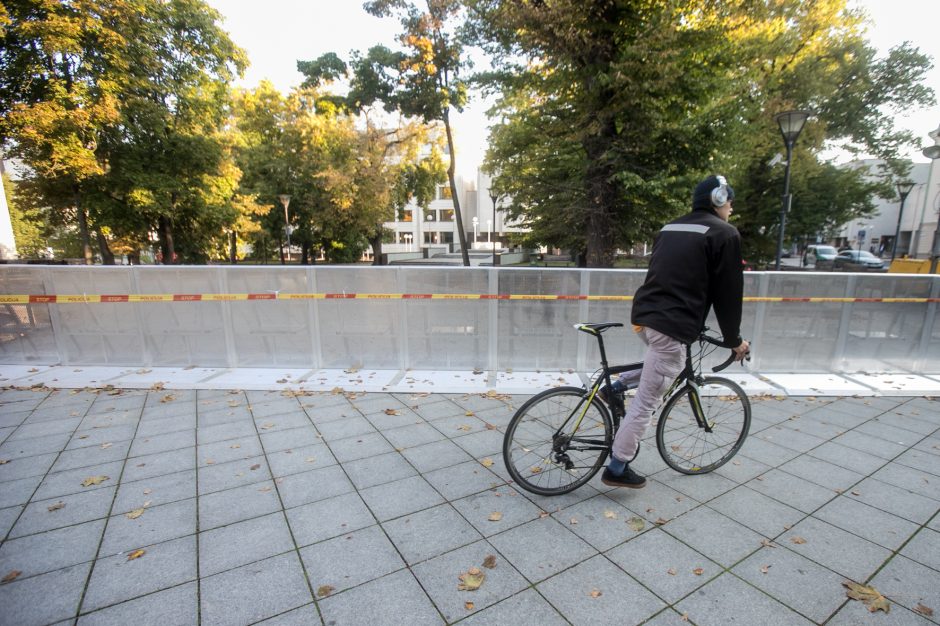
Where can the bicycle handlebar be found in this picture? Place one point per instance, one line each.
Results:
(717, 342)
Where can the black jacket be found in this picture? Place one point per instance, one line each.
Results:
(696, 264)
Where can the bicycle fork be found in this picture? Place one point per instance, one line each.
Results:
(696, 401)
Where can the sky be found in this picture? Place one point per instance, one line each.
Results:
(277, 33)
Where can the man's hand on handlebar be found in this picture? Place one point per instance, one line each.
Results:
(742, 351)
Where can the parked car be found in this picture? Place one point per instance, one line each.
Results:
(816, 253)
(857, 261)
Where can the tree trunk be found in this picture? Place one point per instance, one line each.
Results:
(601, 195)
(165, 230)
(133, 258)
(233, 248)
(83, 229)
(376, 242)
(107, 257)
(305, 253)
(451, 168)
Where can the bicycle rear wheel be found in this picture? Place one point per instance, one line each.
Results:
(688, 447)
(541, 451)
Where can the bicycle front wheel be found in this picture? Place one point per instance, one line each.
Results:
(693, 448)
(542, 450)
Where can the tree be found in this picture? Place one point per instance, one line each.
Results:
(424, 80)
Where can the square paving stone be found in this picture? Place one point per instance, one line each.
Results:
(55, 549)
(157, 490)
(313, 486)
(159, 464)
(163, 443)
(350, 560)
(525, 547)
(98, 436)
(13, 492)
(728, 596)
(767, 452)
(256, 539)
(359, 447)
(234, 505)
(43, 599)
(916, 481)
(70, 481)
(253, 592)
(300, 459)
(94, 455)
(656, 502)
(789, 438)
(432, 456)
(909, 583)
(742, 469)
(17, 449)
(177, 605)
(821, 472)
(116, 579)
(848, 458)
(153, 426)
(78, 508)
(600, 521)
(439, 577)
(904, 422)
(513, 508)
(664, 564)
(290, 438)
(892, 434)
(870, 444)
(229, 450)
(802, 585)
(438, 410)
(7, 517)
(412, 435)
(223, 416)
(385, 422)
(24, 467)
(924, 548)
(233, 474)
(278, 410)
(528, 607)
(429, 533)
(895, 500)
(400, 497)
(702, 487)
(284, 421)
(376, 470)
(795, 492)
(923, 461)
(157, 524)
(840, 551)
(301, 616)
(43, 429)
(328, 518)
(481, 444)
(575, 590)
(462, 480)
(756, 511)
(855, 613)
(344, 428)
(225, 431)
(868, 522)
(373, 602)
(718, 537)
(815, 426)
(328, 413)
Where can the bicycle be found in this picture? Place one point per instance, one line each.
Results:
(560, 438)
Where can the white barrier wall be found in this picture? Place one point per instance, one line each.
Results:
(856, 333)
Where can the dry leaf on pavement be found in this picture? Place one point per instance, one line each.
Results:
(495, 516)
(636, 523)
(105, 446)
(869, 596)
(136, 554)
(392, 412)
(487, 462)
(4, 461)
(325, 590)
(698, 571)
(596, 593)
(135, 513)
(468, 605)
(94, 480)
(671, 571)
(471, 579)
(489, 562)
(11, 576)
(610, 515)
(926, 611)
(56, 506)
(765, 569)
(797, 540)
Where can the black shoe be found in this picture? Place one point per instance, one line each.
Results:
(629, 478)
(612, 396)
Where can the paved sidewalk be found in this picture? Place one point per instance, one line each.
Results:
(366, 508)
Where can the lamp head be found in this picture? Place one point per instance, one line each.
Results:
(285, 199)
(791, 124)
(904, 188)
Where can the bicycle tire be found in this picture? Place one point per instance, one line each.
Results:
(684, 445)
(528, 444)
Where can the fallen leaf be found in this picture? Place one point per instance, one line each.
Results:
(11, 576)
(147, 491)
(255, 466)
(463, 427)
(325, 590)
(469, 413)
(765, 569)
(495, 516)
(487, 462)
(210, 461)
(698, 571)
(468, 605)
(4, 461)
(536, 470)
(136, 554)
(265, 489)
(596, 593)
(671, 571)
(168, 398)
(235, 446)
(684, 617)
(660, 521)
(490, 426)
(135, 513)
(923, 610)
(267, 425)
(797, 540)
(56, 506)
(392, 412)
(767, 543)
(471, 579)
(869, 596)
(105, 446)
(543, 514)
(94, 480)
(489, 562)
(610, 515)
(573, 521)
(310, 459)
(636, 523)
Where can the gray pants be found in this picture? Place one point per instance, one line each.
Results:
(662, 363)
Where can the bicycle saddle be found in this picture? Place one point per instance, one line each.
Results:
(596, 329)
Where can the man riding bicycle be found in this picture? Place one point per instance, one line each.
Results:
(696, 264)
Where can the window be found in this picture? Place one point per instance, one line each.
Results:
(447, 237)
(407, 215)
(447, 215)
(443, 192)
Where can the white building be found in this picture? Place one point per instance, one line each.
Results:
(7, 244)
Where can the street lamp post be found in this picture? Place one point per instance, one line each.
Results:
(904, 188)
(476, 228)
(791, 124)
(285, 200)
(495, 198)
(933, 153)
(862, 232)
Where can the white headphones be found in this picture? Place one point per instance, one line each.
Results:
(720, 193)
